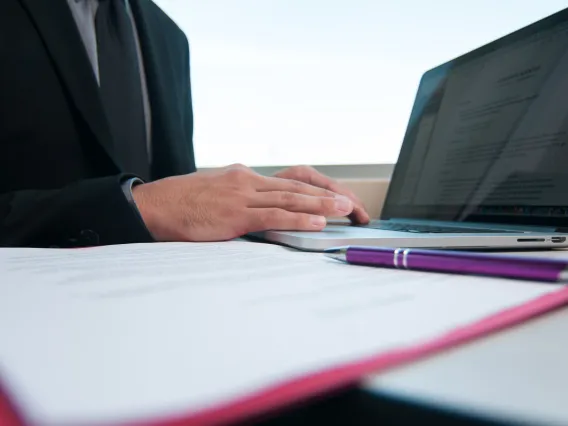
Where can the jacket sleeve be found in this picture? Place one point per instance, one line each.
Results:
(86, 213)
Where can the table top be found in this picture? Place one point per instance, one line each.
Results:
(519, 374)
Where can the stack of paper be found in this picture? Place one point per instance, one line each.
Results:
(217, 332)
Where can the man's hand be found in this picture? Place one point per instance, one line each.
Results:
(311, 176)
(230, 202)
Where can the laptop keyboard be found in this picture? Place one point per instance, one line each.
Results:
(429, 229)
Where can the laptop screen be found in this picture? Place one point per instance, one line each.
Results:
(487, 139)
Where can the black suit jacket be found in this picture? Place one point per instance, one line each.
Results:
(60, 178)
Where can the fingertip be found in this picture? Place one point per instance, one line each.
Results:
(318, 222)
(363, 215)
(344, 205)
(360, 217)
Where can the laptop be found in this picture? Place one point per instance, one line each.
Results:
(484, 160)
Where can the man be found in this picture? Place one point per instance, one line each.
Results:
(96, 128)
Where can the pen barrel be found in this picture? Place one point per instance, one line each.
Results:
(510, 268)
(461, 263)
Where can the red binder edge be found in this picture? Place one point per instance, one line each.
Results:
(283, 395)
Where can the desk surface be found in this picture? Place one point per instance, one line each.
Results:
(519, 374)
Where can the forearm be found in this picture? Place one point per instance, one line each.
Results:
(87, 213)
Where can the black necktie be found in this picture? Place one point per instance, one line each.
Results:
(120, 85)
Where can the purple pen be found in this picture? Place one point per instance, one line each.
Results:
(458, 262)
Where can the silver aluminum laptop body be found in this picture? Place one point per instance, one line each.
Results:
(484, 161)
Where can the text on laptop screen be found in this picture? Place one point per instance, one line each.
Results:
(488, 134)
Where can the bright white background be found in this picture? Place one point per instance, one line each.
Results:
(279, 82)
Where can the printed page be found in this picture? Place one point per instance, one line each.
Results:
(151, 331)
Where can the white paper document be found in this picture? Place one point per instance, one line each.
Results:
(121, 333)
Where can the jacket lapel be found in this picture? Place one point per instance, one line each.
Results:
(55, 23)
(168, 155)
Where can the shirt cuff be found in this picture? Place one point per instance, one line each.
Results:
(127, 186)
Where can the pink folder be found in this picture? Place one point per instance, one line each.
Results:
(283, 395)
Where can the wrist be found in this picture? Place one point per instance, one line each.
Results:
(145, 208)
